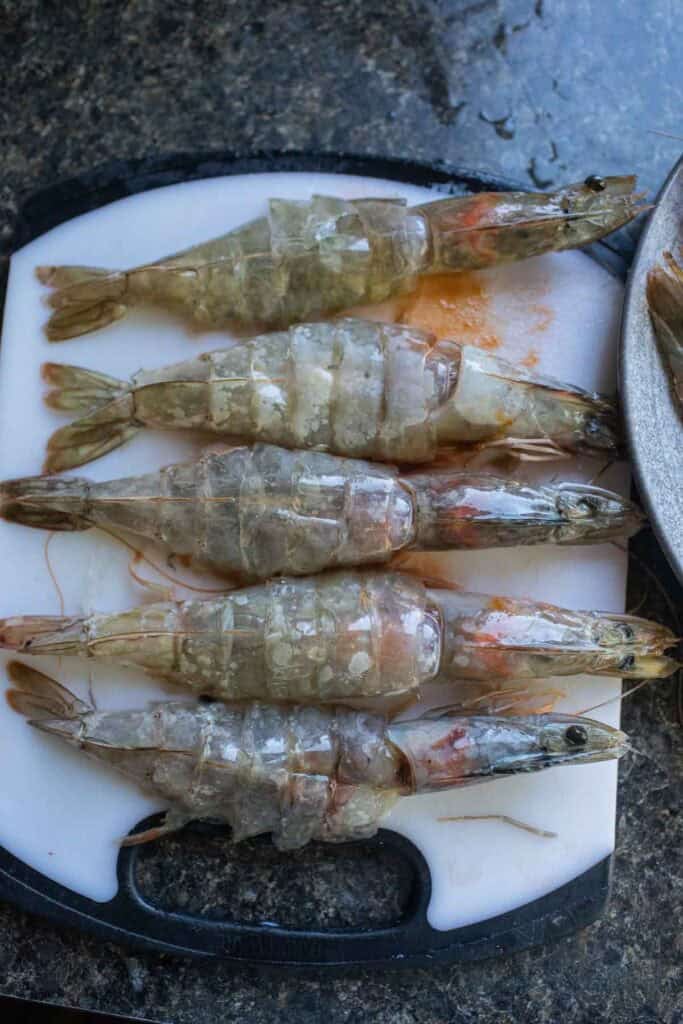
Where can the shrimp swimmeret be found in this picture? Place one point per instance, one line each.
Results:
(301, 773)
(314, 257)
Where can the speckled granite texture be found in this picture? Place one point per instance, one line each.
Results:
(543, 91)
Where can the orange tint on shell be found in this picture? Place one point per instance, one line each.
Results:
(452, 737)
(501, 604)
(492, 657)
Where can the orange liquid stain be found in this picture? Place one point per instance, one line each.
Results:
(545, 316)
(445, 305)
(531, 359)
(450, 306)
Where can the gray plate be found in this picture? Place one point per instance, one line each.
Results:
(654, 425)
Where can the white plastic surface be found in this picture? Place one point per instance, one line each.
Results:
(62, 813)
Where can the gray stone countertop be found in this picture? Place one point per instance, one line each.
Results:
(542, 91)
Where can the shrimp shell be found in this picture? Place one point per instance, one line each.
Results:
(254, 513)
(347, 635)
(354, 387)
(314, 257)
(300, 773)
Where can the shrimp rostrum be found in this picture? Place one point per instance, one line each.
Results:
(348, 635)
(261, 511)
(322, 255)
(301, 773)
(354, 387)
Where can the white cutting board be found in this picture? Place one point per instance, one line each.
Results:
(62, 813)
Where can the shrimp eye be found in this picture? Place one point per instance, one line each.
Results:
(593, 428)
(576, 735)
(627, 663)
(588, 505)
(595, 183)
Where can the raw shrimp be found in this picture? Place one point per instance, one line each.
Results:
(347, 635)
(322, 255)
(254, 513)
(354, 387)
(665, 299)
(301, 773)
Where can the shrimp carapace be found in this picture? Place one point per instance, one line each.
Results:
(318, 256)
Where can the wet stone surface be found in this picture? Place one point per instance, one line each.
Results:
(541, 91)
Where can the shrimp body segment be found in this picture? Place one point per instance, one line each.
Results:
(665, 300)
(301, 773)
(264, 511)
(348, 635)
(318, 256)
(357, 388)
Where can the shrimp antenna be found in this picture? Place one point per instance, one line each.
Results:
(50, 568)
(506, 819)
(601, 472)
(636, 608)
(634, 750)
(665, 135)
(619, 696)
(175, 580)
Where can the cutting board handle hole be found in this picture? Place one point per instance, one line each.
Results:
(200, 873)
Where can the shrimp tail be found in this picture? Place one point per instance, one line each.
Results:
(41, 634)
(108, 423)
(75, 389)
(40, 698)
(84, 299)
(49, 503)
